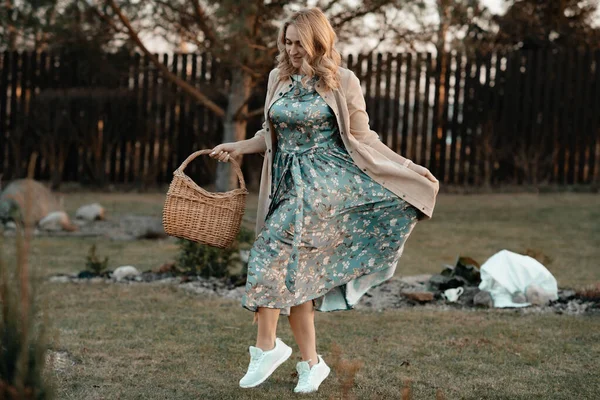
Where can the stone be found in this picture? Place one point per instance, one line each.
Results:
(14, 199)
(453, 283)
(447, 271)
(56, 221)
(576, 307)
(483, 298)
(166, 267)
(60, 278)
(468, 269)
(244, 255)
(566, 295)
(10, 225)
(416, 280)
(143, 227)
(85, 275)
(467, 297)
(437, 280)
(125, 271)
(421, 297)
(518, 297)
(90, 212)
(538, 296)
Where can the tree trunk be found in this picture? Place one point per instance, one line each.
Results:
(444, 14)
(233, 129)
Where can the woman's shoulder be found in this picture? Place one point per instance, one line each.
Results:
(345, 73)
(348, 79)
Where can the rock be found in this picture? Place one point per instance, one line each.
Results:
(125, 271)
(166, 267)
(90, 212)
(447, 271)
(519, 297)
(13, 201)
(421, 297)
(10, 225)
(566, 295)
(244, 255)
(538, 296)
(436, 281)
(416, 280)
(56, 221)
(576, 307)
(467, 297)
(467, 268)
(86, 275)
(143, 227)
(483, 298)
(60, 278)
(441, 283)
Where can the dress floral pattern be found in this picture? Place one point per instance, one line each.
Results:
(331, 232)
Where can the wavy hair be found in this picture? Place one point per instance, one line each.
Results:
(318, 39)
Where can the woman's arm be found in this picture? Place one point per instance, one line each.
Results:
(224, 151)
(359, 127)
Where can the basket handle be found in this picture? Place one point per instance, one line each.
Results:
(234, 164)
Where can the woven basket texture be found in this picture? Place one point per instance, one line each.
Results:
(193, 213)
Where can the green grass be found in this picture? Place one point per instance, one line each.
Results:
(136, 342)
(149, 342)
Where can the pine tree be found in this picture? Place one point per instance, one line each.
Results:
(534, 24)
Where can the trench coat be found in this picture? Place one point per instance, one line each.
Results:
(368, 152)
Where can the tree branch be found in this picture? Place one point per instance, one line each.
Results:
(328, 6)
(186, 87)
(202, 21)
(107, 19)
(254, 113)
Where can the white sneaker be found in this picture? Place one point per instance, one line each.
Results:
(263, 363)
(309, 378)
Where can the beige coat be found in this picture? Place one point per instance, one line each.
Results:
(370, 154)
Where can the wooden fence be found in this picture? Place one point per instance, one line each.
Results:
(520, 117)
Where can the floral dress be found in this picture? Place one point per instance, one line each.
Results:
(331, 232)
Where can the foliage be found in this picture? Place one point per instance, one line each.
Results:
(51, 25)
(533, 24)
(208, 261)
(23, 338)
(93, 263)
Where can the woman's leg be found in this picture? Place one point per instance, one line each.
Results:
(302, 321)
(267, 327)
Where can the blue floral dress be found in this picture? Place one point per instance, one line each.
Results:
(331, 232)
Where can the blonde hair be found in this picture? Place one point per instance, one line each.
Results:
(318, 39)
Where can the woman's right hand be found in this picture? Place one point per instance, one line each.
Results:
(225, 151)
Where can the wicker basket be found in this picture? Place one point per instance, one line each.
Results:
(193, 213)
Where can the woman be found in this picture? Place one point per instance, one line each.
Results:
(336, 205)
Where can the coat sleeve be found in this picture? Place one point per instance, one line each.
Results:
(359, 121)
(263, 130)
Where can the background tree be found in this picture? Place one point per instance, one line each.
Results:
(533, 24)
(241, 35)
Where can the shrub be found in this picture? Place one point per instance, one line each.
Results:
(93, 263)
(207, 261)
(23, 342)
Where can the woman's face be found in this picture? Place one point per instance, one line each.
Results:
(293, 46)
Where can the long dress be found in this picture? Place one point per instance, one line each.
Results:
(331, 232)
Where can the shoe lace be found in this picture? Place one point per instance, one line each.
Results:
(255, 362)
(303, 379)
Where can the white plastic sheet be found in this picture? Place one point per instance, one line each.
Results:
(506, 273)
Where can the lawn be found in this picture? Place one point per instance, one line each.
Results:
(155, 342)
